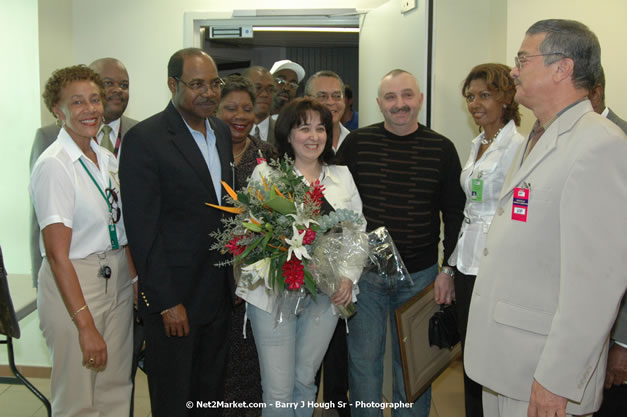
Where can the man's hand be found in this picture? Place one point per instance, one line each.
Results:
(444, 289)
(175, 321)
(616, 373)
(543, 403)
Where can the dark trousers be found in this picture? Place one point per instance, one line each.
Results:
(463, 293)
(335, 365)
(186, 369)
(614, 402)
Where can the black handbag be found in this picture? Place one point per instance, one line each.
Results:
(443, 327)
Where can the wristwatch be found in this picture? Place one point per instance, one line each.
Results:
(448, 271)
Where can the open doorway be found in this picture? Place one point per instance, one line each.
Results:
(321, 40)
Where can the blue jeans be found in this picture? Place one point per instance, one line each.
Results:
(290, 354)
(377, 298)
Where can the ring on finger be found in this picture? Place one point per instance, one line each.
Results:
(91, 360)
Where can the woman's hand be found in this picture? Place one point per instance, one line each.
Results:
(93, 347)
(444, 289)
(344, 295)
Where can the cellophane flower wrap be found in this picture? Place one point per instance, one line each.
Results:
(277, 223)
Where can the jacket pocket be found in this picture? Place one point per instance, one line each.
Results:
(535, 321)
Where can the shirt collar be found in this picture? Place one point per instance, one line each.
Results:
(343, 133)
(605, 112)
(210, 133)
(72, 148)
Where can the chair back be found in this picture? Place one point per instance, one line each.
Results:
(8, 320)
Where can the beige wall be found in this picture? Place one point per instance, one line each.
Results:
(606, 18)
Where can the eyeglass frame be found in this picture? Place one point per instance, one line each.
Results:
(112, 198)
(291, 84)
(519, 63)
(216, 85)
(324, 96)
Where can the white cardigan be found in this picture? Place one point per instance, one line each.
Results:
(341, 192)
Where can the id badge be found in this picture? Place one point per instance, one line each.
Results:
(520, 204)
(113, 236)
(476, 190)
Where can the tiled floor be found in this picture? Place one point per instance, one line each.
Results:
(17, 401)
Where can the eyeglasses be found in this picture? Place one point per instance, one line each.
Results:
(270, 89)
(112, 197)
(284, 83)
(520, 60)
(335, 96)
(202, 86)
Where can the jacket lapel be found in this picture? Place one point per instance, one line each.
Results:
(545, 146)
(225, 151)
(183, 140)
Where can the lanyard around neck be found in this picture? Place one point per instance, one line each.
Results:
(98, 186)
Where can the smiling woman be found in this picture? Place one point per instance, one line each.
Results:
(85, 298)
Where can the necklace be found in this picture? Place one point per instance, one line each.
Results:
(485, 141)
(243, 150)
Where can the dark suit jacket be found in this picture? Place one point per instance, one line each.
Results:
(165, 184)
(617, 120)
(43, 138)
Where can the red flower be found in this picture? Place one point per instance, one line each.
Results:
(293, 271)
(309, 237)
(316, 192)
(234, 247)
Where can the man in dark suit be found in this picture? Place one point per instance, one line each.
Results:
(265, 89)
(116, 81)
(171, 166)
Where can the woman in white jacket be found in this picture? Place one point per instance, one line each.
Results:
(290, 352)
(489, 92)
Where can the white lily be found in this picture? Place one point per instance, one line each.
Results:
(258, 270)
(299, 217)
(296, 245)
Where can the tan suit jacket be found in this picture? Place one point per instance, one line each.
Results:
(548, 289)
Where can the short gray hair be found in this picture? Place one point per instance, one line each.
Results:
(575, 41)
(319, 74)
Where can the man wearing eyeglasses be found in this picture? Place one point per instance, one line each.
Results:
(328, 88)
(287, 75)
(553, 271)
(171, 166)
(265, 89)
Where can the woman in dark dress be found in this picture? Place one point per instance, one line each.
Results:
(236, 110)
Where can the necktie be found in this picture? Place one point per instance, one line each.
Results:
(105, 142)
(257, 134)
(536, 133)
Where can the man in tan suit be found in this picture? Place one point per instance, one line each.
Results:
(552, 276)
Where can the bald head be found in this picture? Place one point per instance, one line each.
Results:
(116, 82)
(399, 99)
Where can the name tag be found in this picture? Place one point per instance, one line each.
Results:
(520, 204)
(113, 235)
(476, 190)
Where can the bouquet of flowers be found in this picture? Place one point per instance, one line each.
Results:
(277, 224)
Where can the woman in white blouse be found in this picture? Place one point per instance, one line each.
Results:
(85, 297)
(291, 351)
(489, 92)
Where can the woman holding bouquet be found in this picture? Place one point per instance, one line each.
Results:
(290, 351)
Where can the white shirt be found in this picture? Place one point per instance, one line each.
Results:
(264, 126)
(343, 133)
(341, 192)
(62, 192)
(492, 168)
